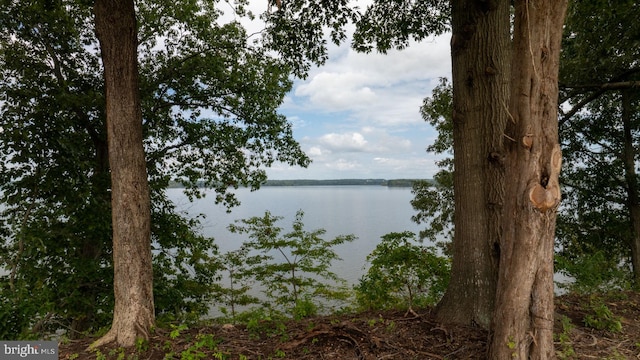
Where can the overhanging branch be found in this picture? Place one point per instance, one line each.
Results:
(605, 86)
(600, 88)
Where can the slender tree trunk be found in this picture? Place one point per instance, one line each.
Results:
(631, 178)
(523, 320)
(133, 313)
(480, 54)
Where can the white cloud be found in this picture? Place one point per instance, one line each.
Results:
(343, 164)
(395, 145)
(315, 152)
(383, 89)
(358, 165)
(398, 164)
(337, 91)
(296, 122)
(358, 115)
(367, 140)
(344, 142)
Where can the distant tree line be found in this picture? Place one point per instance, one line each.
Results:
(333, 182)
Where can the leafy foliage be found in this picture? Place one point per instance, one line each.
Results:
(210, 116)
(591, 271)
(297, 30)
(393, 24)
(238, 276)
(594, 228)
(601, 317)
(402, 274)
(263, 321)
(213, 125)
(593, 221)
(600, 42)
(202, 343)
(185, 265)
(294, 272)
(434, 201)
(563, 339)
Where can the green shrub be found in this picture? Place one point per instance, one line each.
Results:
(294, 267)
(263, 322)
(592, 271)
(239, 279)
(563, 340)
(403, 274)
(304, 308)
(18, 314)
(602, 318)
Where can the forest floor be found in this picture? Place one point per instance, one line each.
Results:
(387, 335)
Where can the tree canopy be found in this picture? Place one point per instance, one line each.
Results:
(209, 107)
(599, 131)
(210, 91)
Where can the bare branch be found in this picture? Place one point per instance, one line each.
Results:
(605, 86)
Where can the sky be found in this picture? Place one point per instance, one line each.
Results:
(358, 116)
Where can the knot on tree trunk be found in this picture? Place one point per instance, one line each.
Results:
(545, 194)
(545, 198)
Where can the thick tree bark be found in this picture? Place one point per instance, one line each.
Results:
(133, 313)
(523, 320)
(631, 178)
(480, 53)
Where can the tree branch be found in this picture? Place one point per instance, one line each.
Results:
(601, 88)
(605, 86)
(584, 102)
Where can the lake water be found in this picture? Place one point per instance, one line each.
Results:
(368, 212)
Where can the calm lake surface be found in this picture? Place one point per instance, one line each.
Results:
(368, 212)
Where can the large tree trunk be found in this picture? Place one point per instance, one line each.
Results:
(631, 178)
(480, 54)
(133, 313)
(523, 320)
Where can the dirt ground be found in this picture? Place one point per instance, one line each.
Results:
(388, 335)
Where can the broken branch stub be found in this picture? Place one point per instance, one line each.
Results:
(547, 196)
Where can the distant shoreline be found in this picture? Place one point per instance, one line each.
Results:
(334, 182)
